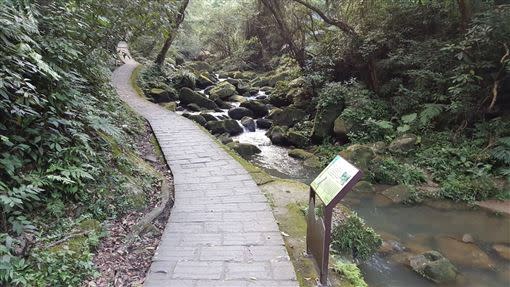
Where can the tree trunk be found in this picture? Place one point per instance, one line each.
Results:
(160, 59)
(465, 13)
(298, 53)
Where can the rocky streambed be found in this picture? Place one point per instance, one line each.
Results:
(424, 244)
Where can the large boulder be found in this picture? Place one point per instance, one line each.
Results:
(222, 104)
(287, 117)
(184, 80)
(502, 250)
(364, 186)
(188, 96)
(232, 127)
(398, 194)
(239, 112)
(359, 155)
(300, 154)
(244, 149)
(193, 107)
(300, 93)
(198, 119)
(434, 266)
(208, 117)
(199, 66)
(237, 98)
(297, 139)
(158, 95)
(324, 122)
(277, 135)
(248, 123)
(258, 108)
(403, 144)
(464, 254)
(264, 124)
(313, 162)
(203, 82)
(223, 90)
(340, 130)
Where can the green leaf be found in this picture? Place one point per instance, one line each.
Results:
(384, 124)
(407, 119)
(403, 128)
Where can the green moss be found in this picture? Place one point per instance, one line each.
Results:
(133, 79)
(91, 225)
(350, 272)
(156, 148)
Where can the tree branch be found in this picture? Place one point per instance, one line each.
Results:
(346, 28)
(495, 86)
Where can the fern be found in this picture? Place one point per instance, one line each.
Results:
(501, 152)
(430, 112)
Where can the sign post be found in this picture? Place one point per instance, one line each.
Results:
(332, 184)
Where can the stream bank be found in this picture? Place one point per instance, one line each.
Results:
(475, 241)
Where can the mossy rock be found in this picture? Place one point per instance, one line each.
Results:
(199, 66)
(223, 90)
(158, 95)
(323, 122)
(198, 119)
(300, 154)
(188, 96)
(434, 266)
(258, 108)
(398, 194)
(231, 127)
(287, 117)
(364, 186)
(90, 225)
(277, 135)
(171, 106)
(203, 82)
(261, 178)
(359, 155)
(403, 144)
(297, 139)
(341, 130)
(313, 162)
(244, 149)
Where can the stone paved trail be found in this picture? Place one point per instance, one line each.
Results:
(221, 231)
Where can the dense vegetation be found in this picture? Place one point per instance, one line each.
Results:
(425, 85)
(66, 141)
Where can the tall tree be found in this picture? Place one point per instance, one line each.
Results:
(342, 25)
(160, 59)
(274, 6)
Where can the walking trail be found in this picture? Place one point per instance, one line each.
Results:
(221, 231)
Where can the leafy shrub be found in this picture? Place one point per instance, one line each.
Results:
(390, 171)
(62, 129)
(354, 237)
(468, 188)
(351, 272)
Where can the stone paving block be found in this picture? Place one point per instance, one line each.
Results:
(223, 253)
(248, 271)
(198, 270)
(170, 253)
(268, 253)
(220, 283)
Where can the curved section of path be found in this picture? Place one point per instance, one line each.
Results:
(221, 231)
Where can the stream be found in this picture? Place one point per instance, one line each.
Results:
(410, 229)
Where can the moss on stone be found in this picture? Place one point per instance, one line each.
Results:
(91, 225)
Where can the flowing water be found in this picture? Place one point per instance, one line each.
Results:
(410, 229)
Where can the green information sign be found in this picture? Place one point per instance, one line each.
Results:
(333, 179)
